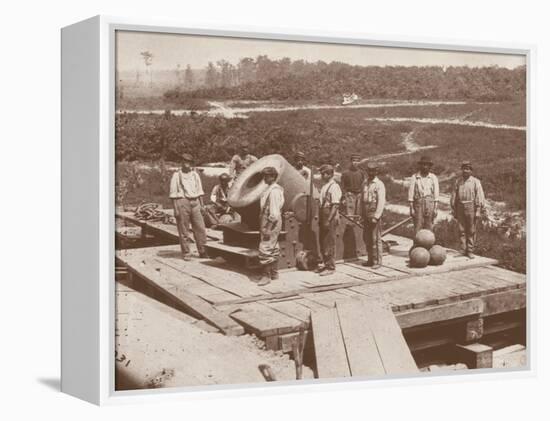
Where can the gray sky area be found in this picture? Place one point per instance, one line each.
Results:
(169, 50)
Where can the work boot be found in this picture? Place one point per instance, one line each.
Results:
(203, 255)
(376, 266)
(368, 263)
(274, 271)
(265, 277)
(327, 271)
(320, 269)
(470, 255)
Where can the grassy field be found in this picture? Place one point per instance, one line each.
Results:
(498, 155)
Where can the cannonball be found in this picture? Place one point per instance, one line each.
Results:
(424, 238)
(419, 257)
(437, 255)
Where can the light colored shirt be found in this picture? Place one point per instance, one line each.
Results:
(186, 185)
(218, 195)
(238, 164)
(331, 194)
(467, 191)
(275, 199)
(373, 196)
(421, 187)
(304, 172)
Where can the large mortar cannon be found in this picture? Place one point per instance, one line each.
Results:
(298, 239)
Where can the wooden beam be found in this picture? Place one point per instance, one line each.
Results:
(330, 354)
(503, 302)
(191, 303)
(475, 355)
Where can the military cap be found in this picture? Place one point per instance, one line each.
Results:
(425, 160)
(326, 168)
(224, 176)
(355, 156)
(466, 164)
(270, 171)
(187, 157)
(300, 155)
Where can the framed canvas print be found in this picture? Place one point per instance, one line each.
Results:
(245, 210)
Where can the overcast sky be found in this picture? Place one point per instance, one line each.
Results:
(169, 50)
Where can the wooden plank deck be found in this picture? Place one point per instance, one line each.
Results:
(458, 289)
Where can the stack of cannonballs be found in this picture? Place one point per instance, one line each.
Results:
(425, 252)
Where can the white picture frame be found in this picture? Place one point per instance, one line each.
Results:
(88, 206)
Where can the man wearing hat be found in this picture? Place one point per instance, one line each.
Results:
(186, 194)
(373, 200)
(271, 223)
(329, 202)
(241, 161)
(423, 195)
(219, 205)
(351, 181)
(299, 160)
(467, 206)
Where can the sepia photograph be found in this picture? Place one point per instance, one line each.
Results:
(290, 211)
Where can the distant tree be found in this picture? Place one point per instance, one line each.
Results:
(189, 80)
(211, 79)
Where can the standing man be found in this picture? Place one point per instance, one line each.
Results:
(186, 194)
(219, 205)
(299, 160)
(373, 200)
(352, 180)
(423, 196)
(271, 223)
(241, 161)
(467, 205)
(330, 198)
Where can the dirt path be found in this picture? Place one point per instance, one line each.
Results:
(220, 108)
(454, 121)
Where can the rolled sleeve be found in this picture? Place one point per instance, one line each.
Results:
(411, 188)
(336, 195)
(174, 187)
(436, 188)
(381, 202)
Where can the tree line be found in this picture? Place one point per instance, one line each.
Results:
(262, 78)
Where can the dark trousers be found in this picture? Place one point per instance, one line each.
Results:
(465, 215)
(327, 238)
(188, 212)
(424, 210)
(372, 235)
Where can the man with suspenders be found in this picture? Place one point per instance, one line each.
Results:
(330, 198)
(186, 194)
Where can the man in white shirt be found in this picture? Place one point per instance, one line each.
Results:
(186, 194)
(330, 198)
(423, 196)
(271, 223)
(219, 210)
(373, 200)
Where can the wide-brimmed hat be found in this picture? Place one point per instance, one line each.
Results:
(224, 176)
(425, 160)
(187, 157)
(270, 171)
(466, 164)
(370, 166)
